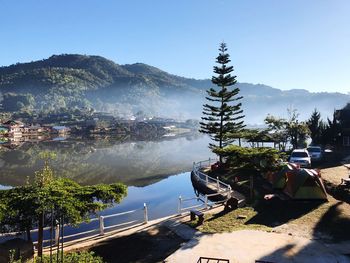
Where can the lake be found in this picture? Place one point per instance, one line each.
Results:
(156, 172)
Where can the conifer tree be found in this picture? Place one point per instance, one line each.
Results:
(316, 126)
(223, 116)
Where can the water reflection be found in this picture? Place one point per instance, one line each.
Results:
(104, 159)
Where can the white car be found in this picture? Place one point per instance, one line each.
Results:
(301, 157)
(315, 153)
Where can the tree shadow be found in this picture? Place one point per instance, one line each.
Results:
(333, 227)
(152, 245)
(279, 255)
(276, 212)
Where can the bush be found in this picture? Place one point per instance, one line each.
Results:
(73, 257)
(257, 159)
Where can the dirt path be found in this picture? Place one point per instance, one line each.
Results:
(335, 174)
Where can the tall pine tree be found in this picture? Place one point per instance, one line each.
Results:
(223, 116)
(316, 126)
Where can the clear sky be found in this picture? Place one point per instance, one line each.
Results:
(290, 44)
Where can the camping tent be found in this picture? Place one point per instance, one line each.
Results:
(279, 179)
(305, 184)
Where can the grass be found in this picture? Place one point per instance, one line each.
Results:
(228, 222)
(329, 220)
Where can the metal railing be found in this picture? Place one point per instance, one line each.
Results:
(221, 188)
(102, 229)
(181, 209)
(207, 260)
(206, 203)
(205, 177)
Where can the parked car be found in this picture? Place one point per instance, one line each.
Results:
(315, 153)
(301, 157)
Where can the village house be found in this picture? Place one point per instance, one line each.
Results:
(60, 130)
(32, 130)
(343, 118)
(15, 128)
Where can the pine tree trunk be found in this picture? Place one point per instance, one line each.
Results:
(40, 234)
(221, 123)
(251, 188)
(29, 237)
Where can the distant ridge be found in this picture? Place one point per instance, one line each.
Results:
(73, 80)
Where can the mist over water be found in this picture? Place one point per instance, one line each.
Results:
(109, 160)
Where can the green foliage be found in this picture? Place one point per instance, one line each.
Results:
(72, 257)
(25, 206)
(288, 129)
(331, 131)
(2, 211)
(316, 126)
(257, 159)
(5, 116)
(12, 258)
(17, 102)
(223, 115)
(46, 175)
(254, 135)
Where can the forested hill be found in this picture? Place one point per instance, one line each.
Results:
(67, 81)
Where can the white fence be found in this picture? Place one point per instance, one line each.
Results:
(102, 229)
(205, 178)
(221, 188)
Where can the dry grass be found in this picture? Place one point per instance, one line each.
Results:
(321, 220)
(227, 222)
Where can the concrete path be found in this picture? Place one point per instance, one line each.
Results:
(240, 246)
(246, 246)
(182, 230)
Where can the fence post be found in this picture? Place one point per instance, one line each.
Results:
(217, 183)
(57, 234)
(206, 201)
(229, 192)
(209, 162)
(102, 225)
(145, 213)
(179, 206)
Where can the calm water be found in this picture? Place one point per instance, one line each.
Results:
(156, 172)
(105, 160)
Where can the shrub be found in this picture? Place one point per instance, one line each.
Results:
(257, 159)
(73, 257)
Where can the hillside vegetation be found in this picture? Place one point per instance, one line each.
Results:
(69, 81)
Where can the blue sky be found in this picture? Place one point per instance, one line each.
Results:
(285, 44)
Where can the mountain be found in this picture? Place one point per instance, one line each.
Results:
(68, 81)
